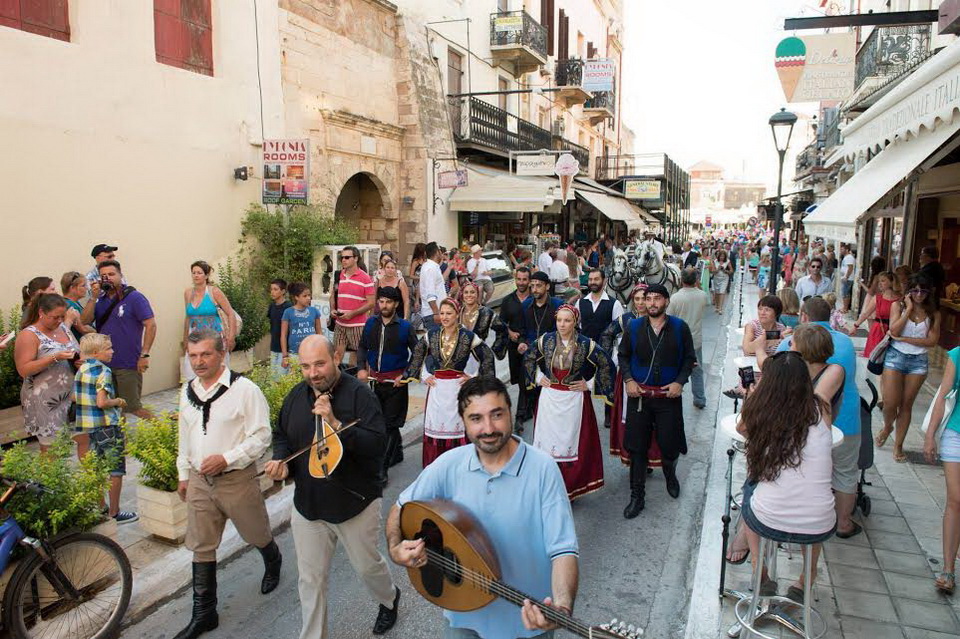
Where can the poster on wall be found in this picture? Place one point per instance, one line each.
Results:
(817, 67)
(286, 171)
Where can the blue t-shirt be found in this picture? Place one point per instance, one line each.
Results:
(843, 354)
(301, 324)
(526, 513)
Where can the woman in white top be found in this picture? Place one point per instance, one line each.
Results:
(914, 330)
(788, 496)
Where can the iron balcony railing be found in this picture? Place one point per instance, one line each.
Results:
(808, 160)
(603, 100)
(611, 167)
(569, 73)
(517, 28)
(831, 136)
(891, 50)
(581, 153)
(479, 122)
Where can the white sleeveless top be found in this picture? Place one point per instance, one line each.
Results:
(916, 330)
(801, 498)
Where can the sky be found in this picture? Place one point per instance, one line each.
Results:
(699, 81)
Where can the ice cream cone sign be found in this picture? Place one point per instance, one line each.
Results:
(790, 59)
(566, 168)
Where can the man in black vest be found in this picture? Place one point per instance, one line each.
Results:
(511, 314)
(597, 311)
(539, 317)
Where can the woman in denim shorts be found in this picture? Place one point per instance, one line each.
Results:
(949, 445)
(914, 330)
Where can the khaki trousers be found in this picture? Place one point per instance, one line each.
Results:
(316, 542)
(212, 500)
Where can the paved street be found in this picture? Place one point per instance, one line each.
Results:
(639, 571)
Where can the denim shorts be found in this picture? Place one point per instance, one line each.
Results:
(779, 536)
(846, 288)
(906, 363)
(108, 440)
(950, 446)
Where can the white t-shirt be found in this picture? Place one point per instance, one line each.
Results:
(848, 261)
(544, 262)
(484, 267)
(559, 272)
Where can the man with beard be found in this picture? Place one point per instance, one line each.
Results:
(509, 486)
(597, 311)
(345, 506)
(656, 358)
(384, 352)
(539, 311)
(511, 314)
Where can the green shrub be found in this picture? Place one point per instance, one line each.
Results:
(284, 248)
(153, 442)
(275, 390)
(249, 301)
(10, 380)
(76, 489)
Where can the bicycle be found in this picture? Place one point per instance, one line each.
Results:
(71, 586)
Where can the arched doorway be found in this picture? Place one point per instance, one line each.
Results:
(361, 205)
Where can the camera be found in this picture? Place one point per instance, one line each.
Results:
(105, 283)
(773, 334)
(747, 377)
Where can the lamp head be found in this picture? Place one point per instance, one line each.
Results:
(781, 123)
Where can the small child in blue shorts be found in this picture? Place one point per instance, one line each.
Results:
(98, 415)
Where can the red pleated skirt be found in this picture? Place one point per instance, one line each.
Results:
(585, 475)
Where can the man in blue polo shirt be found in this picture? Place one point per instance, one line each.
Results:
(816, 310)
(508, 486)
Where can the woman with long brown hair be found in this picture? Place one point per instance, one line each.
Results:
(788, 496)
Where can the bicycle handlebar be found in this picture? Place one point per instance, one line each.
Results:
(30, 486)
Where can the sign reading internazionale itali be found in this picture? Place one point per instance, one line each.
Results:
(817, 67)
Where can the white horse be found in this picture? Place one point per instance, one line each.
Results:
(620, 279)
(652, 269)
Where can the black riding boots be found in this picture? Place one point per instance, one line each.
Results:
(204, 616)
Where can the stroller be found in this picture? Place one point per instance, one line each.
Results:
(865, 460)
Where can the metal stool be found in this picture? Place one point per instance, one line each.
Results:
(750, 610)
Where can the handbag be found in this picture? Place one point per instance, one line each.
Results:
(877, 355)
(949, 403)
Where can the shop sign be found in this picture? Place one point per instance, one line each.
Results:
(641, 189)
(508, 24)
(709, 221)
(817, 67)
(452, 179)
(286, 171)
(566, 168)
(537, 164)
(599, 74)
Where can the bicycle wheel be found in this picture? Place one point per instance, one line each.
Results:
(99, 571)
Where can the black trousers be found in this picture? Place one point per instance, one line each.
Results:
(663, 415)
(393, 403)
(518, 376)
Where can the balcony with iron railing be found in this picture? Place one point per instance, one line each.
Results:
(581, 153)
(808, 161)
(568, 77)
(480, 124)
(601, 106)
(831, 136)
(890, 51)
(517, 41)
(613, 167)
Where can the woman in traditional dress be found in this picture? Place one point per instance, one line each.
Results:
(449, 348)
(480, 320)
(618, 423)
(567, 366)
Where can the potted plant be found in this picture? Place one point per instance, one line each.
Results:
(251, 305)
(11, 415)
(154, 444)
(72, 501)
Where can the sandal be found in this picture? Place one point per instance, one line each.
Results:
(737, 562)
(900, 457)
(882, 437)
(946, 582)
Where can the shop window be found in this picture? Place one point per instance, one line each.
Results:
(50, 18)
(183, 34)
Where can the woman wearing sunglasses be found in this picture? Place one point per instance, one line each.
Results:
(914, 330)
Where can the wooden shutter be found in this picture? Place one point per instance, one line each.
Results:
(183, 34)
(546, 19)
(50, 18)
(591, 51)
(563, 46)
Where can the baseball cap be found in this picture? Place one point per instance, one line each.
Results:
(101, 248)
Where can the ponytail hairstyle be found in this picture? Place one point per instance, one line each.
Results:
(33, 287)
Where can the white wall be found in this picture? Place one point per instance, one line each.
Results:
(104, 144)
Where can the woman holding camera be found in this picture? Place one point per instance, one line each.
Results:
(43, 353)
(761, 336)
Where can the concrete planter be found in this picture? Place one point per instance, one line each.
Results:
(242, 361)
(162, 514)
(11, 425)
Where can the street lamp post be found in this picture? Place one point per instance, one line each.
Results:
(781, 124)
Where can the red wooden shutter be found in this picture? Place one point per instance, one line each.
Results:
(50, 18)
(183, 34)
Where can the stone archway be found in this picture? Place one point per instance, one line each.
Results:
(363, 203)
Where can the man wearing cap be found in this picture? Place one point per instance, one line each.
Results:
(100, 253)
(656, 358)
(539, 310)
(479, 271)
(386, 343)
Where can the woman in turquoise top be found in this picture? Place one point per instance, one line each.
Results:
(949, 445)
(204, 303)
(704, 267)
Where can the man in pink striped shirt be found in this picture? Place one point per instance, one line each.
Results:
(355, 295)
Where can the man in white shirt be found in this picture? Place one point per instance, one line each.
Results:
(689, 304)
(224, 425)
(479, 271)
(815, 283)
(432, 289)
(546, 258)
(559, 275)
(847, 265)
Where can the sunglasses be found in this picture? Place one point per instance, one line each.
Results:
(347, 257)
(919, 291)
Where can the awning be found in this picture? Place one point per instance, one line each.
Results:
(493, 190)
(615, 208)
(836, 217)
